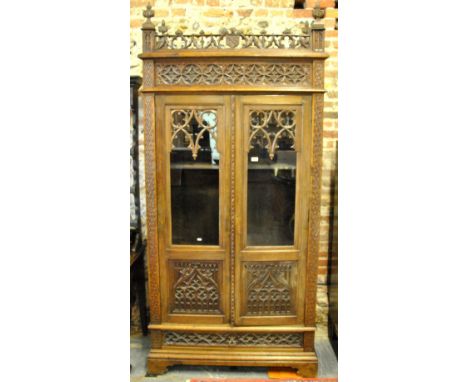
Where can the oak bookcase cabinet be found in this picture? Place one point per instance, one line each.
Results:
(233, 145)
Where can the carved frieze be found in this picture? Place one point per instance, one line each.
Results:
(196, 287)
(268, 288)
(237, 339)
(233, 74)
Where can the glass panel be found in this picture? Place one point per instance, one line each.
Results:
(194, 177)
(271, 189)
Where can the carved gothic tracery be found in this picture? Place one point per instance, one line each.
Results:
(196, 288)
(269, 289)
(232, 40)
(269, 127)
(238, 339)
(189, 126)
(233, 74)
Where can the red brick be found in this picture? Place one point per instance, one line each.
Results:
(138, 3)
(323, 3)
(212, 3)
(161, 13)
(330, 134)
(281, 12)
(261, 13)
(331, 33)
(181, 1)
(329, 23)
(217, 12)
(178, 11)
(273, 3)
(199, 2)
(327, 3)
(244, 12)
(302, 13)
(330, 145)
(136, 23)
(331, 12)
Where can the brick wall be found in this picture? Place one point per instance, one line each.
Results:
(192, 16)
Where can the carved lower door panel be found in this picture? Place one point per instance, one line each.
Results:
(193, 204)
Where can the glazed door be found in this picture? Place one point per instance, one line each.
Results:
(193, 206)
(272, 188)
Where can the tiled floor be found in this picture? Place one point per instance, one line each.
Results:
(139, 347)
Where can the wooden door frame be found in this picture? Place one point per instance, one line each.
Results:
(169, 252)
(296, 253)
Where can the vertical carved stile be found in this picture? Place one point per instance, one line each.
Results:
(317, 77)
(318, 37)
(148, 73)
(151, 213)
(233, 209)
(314, 216)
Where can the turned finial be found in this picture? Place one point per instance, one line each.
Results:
(163, 29)
(148, 13)
(317, 12)
(306, 28)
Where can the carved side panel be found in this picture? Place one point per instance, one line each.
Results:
(234, 74)
(151, 212)
(196, 287)
(233, 339)
(269, 288)
(314, 220)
